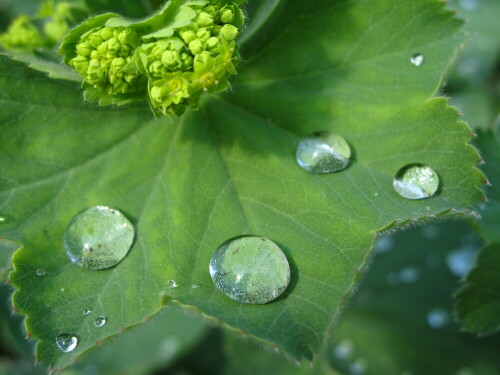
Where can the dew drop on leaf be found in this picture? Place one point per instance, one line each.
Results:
(195, 286)
(468, 4)
(438, 318)
(2, 219)
(417, 59)
(344, 350)
(416, 181)
(409, 275)
(86, 311)
(98, 238)
(40, 272)
(66, 343)
(250, 269)
(100, 321)
(323, 152)
(172, 284)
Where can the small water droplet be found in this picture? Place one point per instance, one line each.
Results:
(250, 269)
(384, 244)
(417, 59)
(461, 261)
(195, 286)
(468, 4)
(98, 238)
(438, 318)
(323, 152)
(172, 284)
(358, 367)
(47, 304)
(465, 371)
(2, 219)
(344, 350)
(416, 181)
(100, 321)
(376, 194)
(86, 311)
(63, 290)
(40, 272)
(66, 343)
(409, 275)
(168, 348)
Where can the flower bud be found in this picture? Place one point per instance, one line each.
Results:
(203, 34)
(171, 59)
(95, 40)
(196, 47)
(229, 32)
(128, 37)
(84, 49)
(204, 19)
(113, 45)
(156, 69)
(95, 75)
(187, 36)
(107, 33)
(212, 44)
(226, 15)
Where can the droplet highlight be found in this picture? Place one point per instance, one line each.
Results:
(461, 261)
(100, 321)
(66, 343)
(98, 238)
(40, 272)
(250, 269)
(172, 284)
(417, 59)
(416, 181)
(438, 318)
(344, 350)
(323, 152)
(86, 311)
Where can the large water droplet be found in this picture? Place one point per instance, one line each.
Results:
(416, 181)
(250, 269)
(417, 59)
(461, 261)
(98, 238)
(323, 152)
(344, 350)
(100, 321)
(66, 343)
(438, 317)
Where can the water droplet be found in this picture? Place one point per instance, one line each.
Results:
(86, 311)
(358, 367)
(465, 371)
(66, 343)
(438, 318)
(250, 269)
(98, 238)
(172, 284)
(62, 290)
(100, 321)
(409, 275)
(376, 194)
(2, 219)
(344, 350)
(195, 286)
(469, 4)
(416, 181)
(384, 244)
(323, 152)
(417, 59)
(461, 261)
(40, 272)
(168, 348)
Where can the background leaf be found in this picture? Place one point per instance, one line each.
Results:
(189, 184)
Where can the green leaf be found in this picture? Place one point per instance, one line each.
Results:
(478, 301)
(7, 249)
(189, 184)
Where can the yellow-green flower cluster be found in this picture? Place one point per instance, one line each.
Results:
(22, 34)
(105, 59)
(197, 58)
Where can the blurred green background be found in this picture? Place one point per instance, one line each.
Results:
(401, 319)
